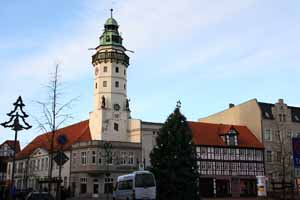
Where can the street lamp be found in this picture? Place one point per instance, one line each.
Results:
(16, 115)
(108, 159)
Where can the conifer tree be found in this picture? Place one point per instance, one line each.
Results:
(173, 160)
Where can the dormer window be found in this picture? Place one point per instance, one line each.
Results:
(231, 138)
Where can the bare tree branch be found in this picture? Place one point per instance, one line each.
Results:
(52, 111)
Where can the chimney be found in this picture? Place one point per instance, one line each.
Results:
(231, 105)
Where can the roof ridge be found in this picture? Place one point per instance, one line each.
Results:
(64, 127)
(219, 124)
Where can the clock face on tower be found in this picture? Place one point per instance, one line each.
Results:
(116, 107)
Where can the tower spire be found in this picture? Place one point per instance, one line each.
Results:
(111, 13)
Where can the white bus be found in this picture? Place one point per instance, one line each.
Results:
(139, 185)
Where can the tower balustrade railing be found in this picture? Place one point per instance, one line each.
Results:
(111, 56)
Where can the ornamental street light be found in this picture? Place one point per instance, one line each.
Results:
(16, 123)
(108, 159)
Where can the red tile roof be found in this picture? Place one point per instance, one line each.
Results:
(78, 132)
(210, 134)
(11, 144)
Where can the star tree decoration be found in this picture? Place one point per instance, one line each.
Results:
(16, 116)
(17, 123)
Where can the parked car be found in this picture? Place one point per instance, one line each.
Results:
(39, 196)
(137, 185)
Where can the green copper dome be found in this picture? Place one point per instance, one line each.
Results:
(111, 35)
(111, 21)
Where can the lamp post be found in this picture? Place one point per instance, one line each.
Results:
(16, 115)
(108, 159)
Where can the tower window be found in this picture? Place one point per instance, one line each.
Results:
(124, 71)
(280, 117)
(107, 38)
(116, 126)
(105, 69)
(117, 69)
(96, 85)
(104, 83)
(117, 84)
(124, 86)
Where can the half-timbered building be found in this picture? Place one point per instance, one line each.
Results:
(229, 159)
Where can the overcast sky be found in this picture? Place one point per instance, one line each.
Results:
(207, 53)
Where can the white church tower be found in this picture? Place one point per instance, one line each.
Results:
(110, 115)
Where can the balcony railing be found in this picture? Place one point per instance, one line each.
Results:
(111, 56)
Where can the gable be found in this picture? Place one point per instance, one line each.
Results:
(38, 152)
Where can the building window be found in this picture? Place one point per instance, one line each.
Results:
(104, 83)
(289, 134)
(124, 71)
(117, 69)
(93, 157)
(38, 164)
(210, 153)
(107, 38)
(203, 152)
(280, 117)
(96, 85)
(278, 156)
(242, 154)
(269, 156)
(46, 163)
(283, 117)
(217, 153)
(105, 69)
(83, 185)
(74, 158)
(42, 168)
(123, 158)
(258, 155)
(65, 181)
(131, 158)
(109, 160)
(116, 126)
(117, 84)
(83, 158)
(100, 158)
(21, 167)
(231, 138)
(108, 185)
(124, 86)
(268, 134)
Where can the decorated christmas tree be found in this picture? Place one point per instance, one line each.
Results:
(174, 161)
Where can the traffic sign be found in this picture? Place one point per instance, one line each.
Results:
(60, 158)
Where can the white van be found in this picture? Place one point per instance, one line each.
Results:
(139, 185)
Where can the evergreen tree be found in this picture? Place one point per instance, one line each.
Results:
(174, 161)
